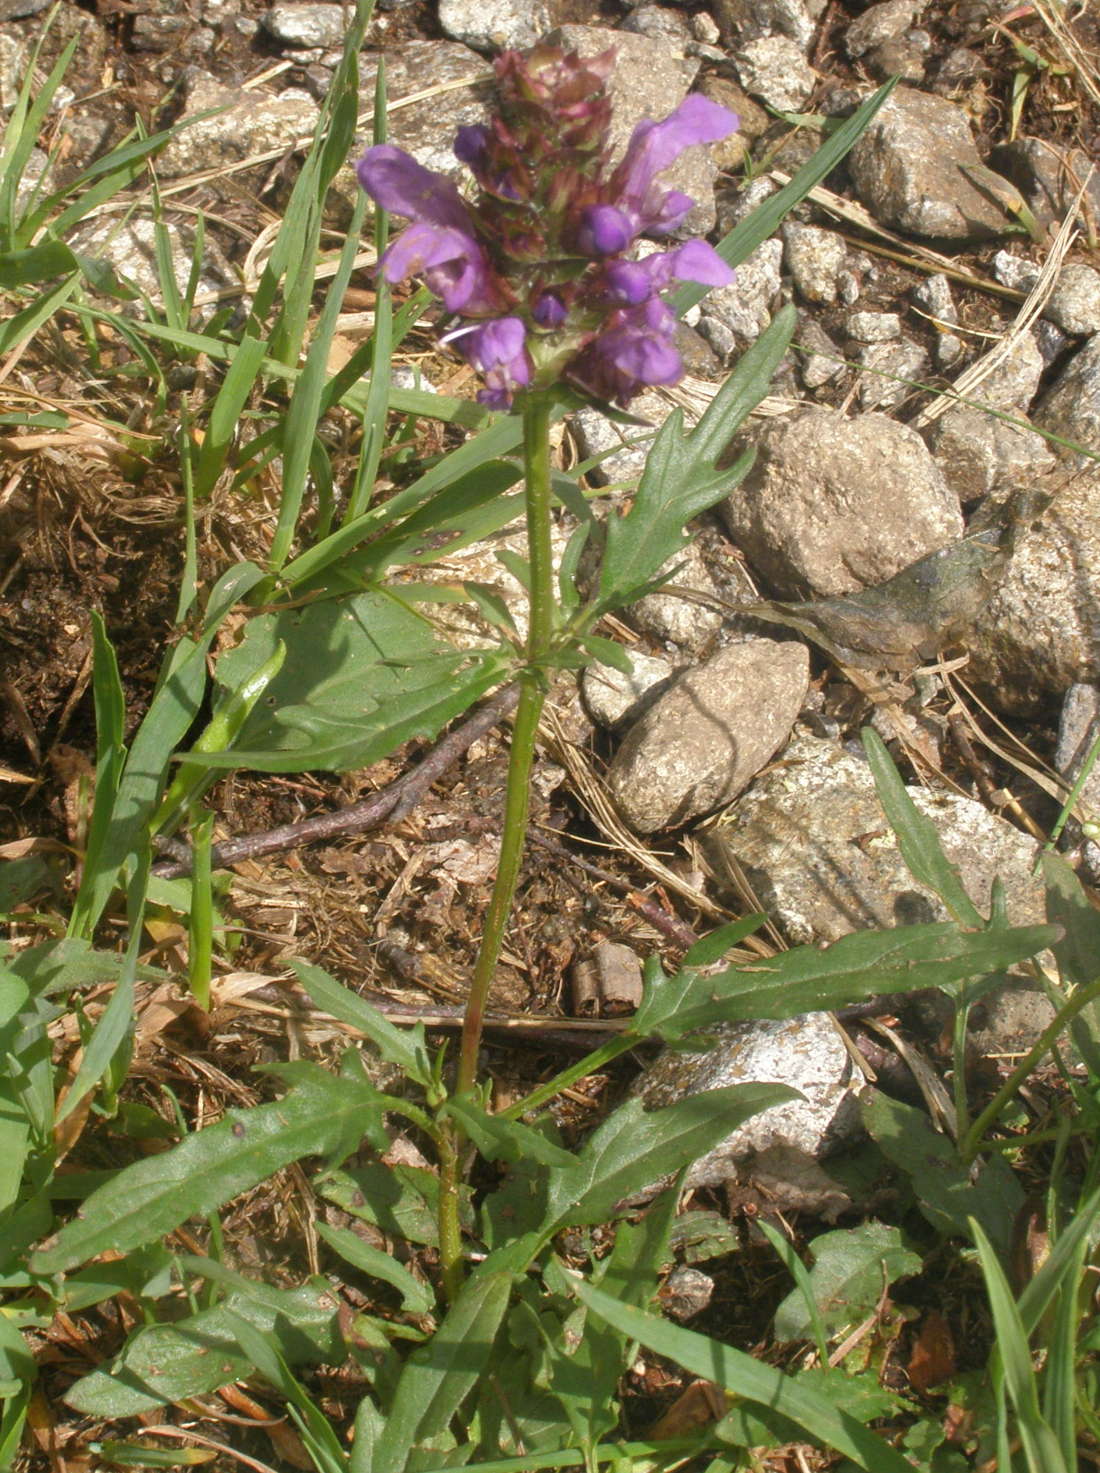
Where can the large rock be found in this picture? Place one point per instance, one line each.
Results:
(835, 504)
(1048, 177)
(1072, 407)
(910, 169)
(306, 23)
(806, 1053)
(1040, 631)
(709, 735)
(979, 453)
(495, 25)
(248, 123)
(811, 839)
(648, 82)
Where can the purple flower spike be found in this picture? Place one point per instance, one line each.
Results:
(498, 350)
(605, 231)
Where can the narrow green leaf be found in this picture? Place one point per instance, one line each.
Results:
(918, 839)
(634, 1148)
(198, 1354)
(808, 978)
(416, 1298)
(438, 1377)
(404, 1047)
(1040, 1445)
(506, 1140)
(153, 1196)
(750, 1379)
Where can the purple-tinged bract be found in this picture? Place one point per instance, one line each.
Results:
(541, 262)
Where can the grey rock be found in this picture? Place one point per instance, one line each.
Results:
(1040, 631)
(834, 504)
(933, 296)
(822, 360)
(811, 839)
(906, 57)
(495, 25)
(306, 23)
(815, 259)
(659, 23)
(20, 9)
(891, 371)
(629, 444)
(873, 327)
(1072, 406)
(909, 169)
(13, 67)
(741, 19)
(704, 29)
(171, 33)
(1014, 382)
(880, 24)
(807, 1053)
(252, 123)
(1016, 272)
(685, 623)
(744, 309)
(1048, 176)
(774, 69)
(685, 1293)
(709, 735)
(1051, 341)
(979, 453)
(946, 350)
(130, 248)
(613, 698)
(1074, 304)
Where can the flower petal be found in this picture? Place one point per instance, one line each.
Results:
(654, 146)
(395, 180)
(605, 231)
(697, 261)
(452, 262)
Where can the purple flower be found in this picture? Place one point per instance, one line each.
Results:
(498, 350)
(635, 350)
(653, 147)
(440, 244)
(605, 231)
(629, 282)
(549, 310)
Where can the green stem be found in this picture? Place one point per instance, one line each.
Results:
(532, 682)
